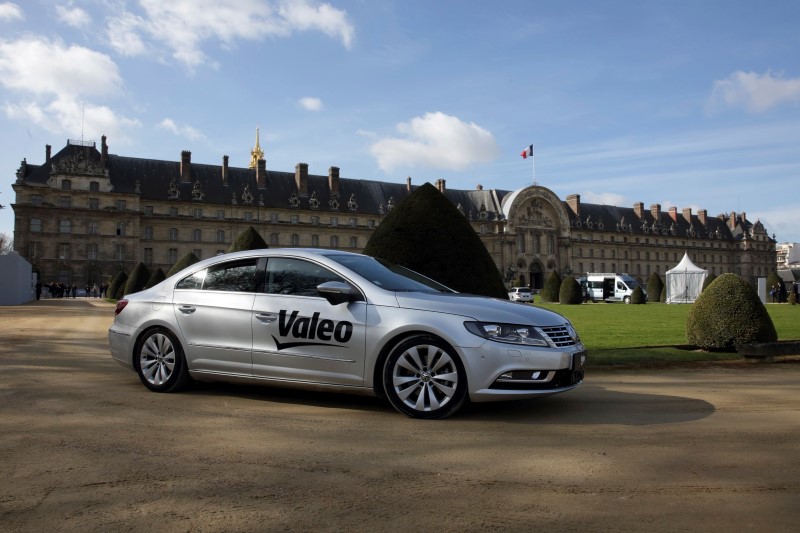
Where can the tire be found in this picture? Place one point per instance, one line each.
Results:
(627, 299)
(424, 378)
(159, 361)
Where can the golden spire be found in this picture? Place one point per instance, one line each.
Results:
(256, 154)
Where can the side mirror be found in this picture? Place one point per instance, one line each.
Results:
(337, 292)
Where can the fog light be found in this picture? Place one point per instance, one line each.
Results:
(507, 375)
(536, 375)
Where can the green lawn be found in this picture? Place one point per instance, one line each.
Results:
(615, 333)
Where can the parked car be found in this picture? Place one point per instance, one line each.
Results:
(327, 319)
(520, 294)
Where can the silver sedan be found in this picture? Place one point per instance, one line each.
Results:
(327, 319)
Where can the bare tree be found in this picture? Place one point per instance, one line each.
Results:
(6, 244)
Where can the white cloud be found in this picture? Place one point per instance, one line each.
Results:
(604, 198)
(365, 133)
(10, 11)
(755, 92)
(436, 140)
(41, 67)
(73, 16)
(183, 131)
(183, 26)
(310, 104)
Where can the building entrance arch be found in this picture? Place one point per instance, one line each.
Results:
(536, 275)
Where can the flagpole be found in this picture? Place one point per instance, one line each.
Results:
(533, 165)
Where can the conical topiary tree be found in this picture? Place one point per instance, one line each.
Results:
(426, 233)
(708, 281)
(183, 262)
(728, 314)
(155, 278)
(249, 239)
(137, 279)
(570, 292)
(637, 296)
(117, 284)
(663, 298)
(654, 287)
(552, 287)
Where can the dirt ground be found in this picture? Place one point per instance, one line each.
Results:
(85, 447)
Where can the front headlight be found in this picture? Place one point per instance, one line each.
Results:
(510, 333)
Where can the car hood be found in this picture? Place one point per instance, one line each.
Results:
(480, 308)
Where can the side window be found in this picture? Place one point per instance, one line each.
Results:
(620, 286)
(236, 276)
(296, 277)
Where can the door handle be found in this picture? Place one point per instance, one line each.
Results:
(266, 318)
(187, 309)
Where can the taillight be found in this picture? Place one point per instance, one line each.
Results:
(120, 306)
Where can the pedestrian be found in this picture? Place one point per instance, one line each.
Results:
(38, 289)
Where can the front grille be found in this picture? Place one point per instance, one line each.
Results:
(559, 336)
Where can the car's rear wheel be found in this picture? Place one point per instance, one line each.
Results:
(159, 361)
(424, 378)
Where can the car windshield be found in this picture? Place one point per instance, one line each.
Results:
(389, 276)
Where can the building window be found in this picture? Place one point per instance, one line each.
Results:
(65, 202)
(551, 244)
(315, 241)
(121, 229)
(148, 233)
(197, 235)
(273, 217)
(172, 256)
(122, 205)
(220, 235)
(220, 214)
(353, 222)
(65, 226)
(537, 244)
(63, 250)
(371, 224)
(91, 252)
(94, 186)
(334, 241)
(295, 239)
(36, 199)
(294, 219)
(315, 220)
(353, 242)
(520, 243)
(198, 213)
(94, 203)
(119, 252)
(248, 216)
(273, 239)
(33, 250)
(334, 221)
(66, 185)
(36, 225)
(173, 211)
(173, 234)
(148, 256)
(93, 228)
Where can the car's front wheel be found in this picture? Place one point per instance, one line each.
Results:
(424, 378)
(159, 361)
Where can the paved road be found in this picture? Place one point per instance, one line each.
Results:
(84, 446)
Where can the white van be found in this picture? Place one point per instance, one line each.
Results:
(609, 287)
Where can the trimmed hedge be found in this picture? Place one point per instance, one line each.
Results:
(249, 239)
(117, 285)
(654, 287)
(155, 278)
(728, 314)
(637, 296)
(709, 279)
(570, 293)
(183, 262)
(137, 279)
(428, 234)
(552, 287)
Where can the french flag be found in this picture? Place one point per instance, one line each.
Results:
(528, 151)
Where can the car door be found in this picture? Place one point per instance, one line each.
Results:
(213, 308)
(300, 336)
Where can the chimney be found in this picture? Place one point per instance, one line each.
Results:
(673, 213)
(743, 216)
(103, 151)
(655, 210)
(333, 180)
(687, 214)
(186, 161)
(408, 184)
(732, 220)
(638, 209)
(574, 203)
(479, 187)
(301, 178)
(702, 215)
(225, 170)
(440, 184)
(261, 173)
(47, 149)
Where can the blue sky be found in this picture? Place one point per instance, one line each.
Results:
(681, 103)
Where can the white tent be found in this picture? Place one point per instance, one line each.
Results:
(684, 282)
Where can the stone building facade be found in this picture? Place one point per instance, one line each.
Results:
(84, 214)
